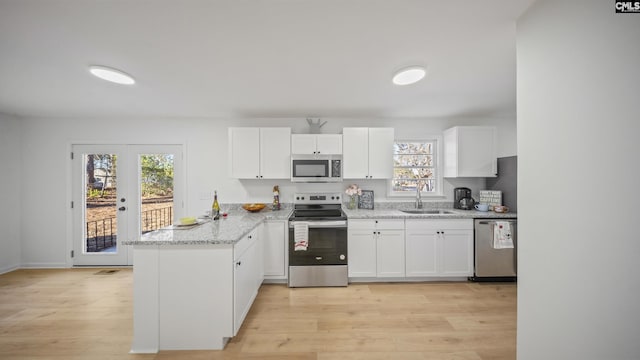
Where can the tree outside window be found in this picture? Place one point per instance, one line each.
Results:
(414, 165)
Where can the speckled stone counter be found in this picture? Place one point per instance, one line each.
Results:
(240, 222)
(226, 230)
(394, 211)
(397, 214)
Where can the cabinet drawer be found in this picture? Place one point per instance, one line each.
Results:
(390, 224)
(376, 224)
(241, 246)
(445, 224)
(361, 224)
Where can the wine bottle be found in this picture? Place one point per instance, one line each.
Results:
(215, 208)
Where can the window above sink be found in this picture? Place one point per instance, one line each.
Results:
(417, 163)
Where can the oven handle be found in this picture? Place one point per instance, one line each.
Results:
(321, 224)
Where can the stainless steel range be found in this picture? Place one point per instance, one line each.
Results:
(318, 241)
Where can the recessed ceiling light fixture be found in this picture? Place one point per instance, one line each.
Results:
(111, 74)
(409, 75)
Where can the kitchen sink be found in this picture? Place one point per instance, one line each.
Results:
(426, 211)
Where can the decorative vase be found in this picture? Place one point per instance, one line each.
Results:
(352, 202)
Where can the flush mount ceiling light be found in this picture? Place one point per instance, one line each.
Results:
(110, 74)
(409, 75)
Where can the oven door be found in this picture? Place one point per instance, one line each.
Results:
(327, 244)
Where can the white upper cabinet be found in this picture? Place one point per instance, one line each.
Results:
(367, 153)
(260, 153)
(316, 144)
(355, 153)
(470, 151)
(275, 153)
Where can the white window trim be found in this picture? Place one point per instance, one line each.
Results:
(439, 193)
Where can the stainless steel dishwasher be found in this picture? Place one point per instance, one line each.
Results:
(493, 264)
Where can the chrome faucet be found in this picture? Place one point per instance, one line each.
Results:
(418, 196)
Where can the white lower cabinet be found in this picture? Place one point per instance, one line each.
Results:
(439, 247)
(247, 277)
(390, 253)
(376, 248)
(421, 251)
(274, 239)
(361, 248)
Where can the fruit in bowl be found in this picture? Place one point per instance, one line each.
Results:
(253, 207)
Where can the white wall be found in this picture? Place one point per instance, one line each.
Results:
(206, 166)
(578, 128)
(10, 204)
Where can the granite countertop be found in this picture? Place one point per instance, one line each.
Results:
(397, 214)
(239, 223)
(226, 230)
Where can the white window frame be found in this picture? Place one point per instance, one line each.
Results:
(439, 168)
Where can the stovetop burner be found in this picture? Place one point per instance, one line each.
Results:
(317, 207)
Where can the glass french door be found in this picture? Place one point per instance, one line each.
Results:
(121, 192)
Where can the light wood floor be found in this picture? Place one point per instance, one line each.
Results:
(76, 314)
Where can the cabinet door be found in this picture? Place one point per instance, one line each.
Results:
(244, 286)
(258, 270)
(390, 253)
(303, 144)
(381, 153)
(355, 153)
(477, 151)
(329, 144)
(421, 253)
(275, 153)
(470, 151)
(244, 150)
(274, 246)
(362, 253)
(456, 249)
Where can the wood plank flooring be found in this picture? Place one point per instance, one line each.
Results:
(76, 314)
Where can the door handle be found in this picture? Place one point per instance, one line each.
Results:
(122, 208)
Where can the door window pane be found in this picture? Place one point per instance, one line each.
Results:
(156, 190)
(101, 225)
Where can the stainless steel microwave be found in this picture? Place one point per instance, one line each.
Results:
(316, 168)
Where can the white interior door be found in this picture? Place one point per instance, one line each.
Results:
(121, 192)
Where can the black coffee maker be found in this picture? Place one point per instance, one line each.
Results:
(462, 199)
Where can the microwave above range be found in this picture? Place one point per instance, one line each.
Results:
(316, 168)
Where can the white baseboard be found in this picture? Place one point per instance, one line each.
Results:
(44, 266)
(7, 269)
(406, 280)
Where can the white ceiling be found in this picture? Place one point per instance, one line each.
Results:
(258, 58)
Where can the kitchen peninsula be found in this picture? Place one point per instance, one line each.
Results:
(193, 286)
